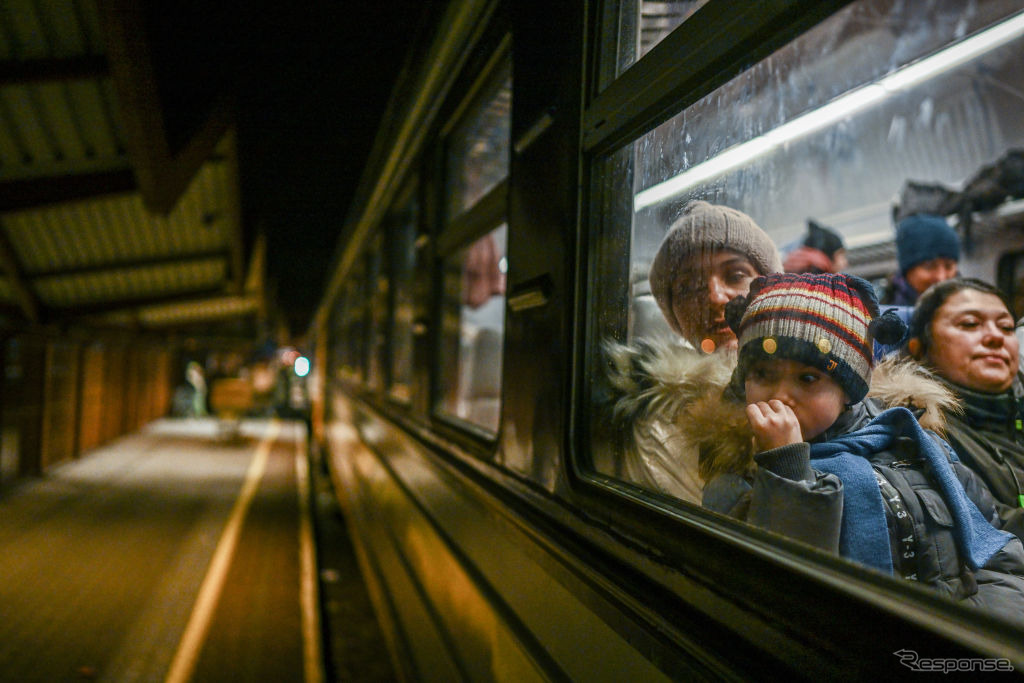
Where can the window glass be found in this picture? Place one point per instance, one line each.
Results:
(478, 149)
(354, 326)
(402, 221)
(473, 329)
(883, 110)
(833, 127)
(642, 24)
(377, 281)
(336, 352)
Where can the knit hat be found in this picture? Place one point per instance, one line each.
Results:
(827, 321)
(823, 239)
(923, 237)
(703, 226)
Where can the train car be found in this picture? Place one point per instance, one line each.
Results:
(532, 159)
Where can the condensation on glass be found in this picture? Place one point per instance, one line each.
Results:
(838, 126)
(833, 126)
(478, 149)
(473, 330)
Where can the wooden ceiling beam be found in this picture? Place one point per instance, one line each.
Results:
(85, 67)
(163, 171)
(29, 193)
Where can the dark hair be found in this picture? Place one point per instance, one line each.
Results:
(822, 238)
(932, 299)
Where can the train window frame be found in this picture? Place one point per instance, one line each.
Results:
(470, 223)
(623, 23)
(617, 116)
(717, 43)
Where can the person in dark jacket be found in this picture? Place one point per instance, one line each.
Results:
(821, 251)
(963, 331)
(928, 251)
(842, 474)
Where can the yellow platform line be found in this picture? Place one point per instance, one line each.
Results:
(308, 585)
(209, 593)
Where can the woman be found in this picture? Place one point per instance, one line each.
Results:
(707, 258)
(963, 330)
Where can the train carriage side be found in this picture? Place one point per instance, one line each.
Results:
(533, 158)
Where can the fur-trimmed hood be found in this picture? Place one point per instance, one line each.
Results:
(661, 380)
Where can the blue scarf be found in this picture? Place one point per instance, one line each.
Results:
(864, 536)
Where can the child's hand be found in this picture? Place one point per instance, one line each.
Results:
(774, 424)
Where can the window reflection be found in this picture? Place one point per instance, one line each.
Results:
(834, 125)
(473, 322)
(479, 148)
(881, 111)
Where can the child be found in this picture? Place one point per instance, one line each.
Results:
(837, 472)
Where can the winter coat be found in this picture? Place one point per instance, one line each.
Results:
(649, 384)
(898, 292)
(781, 491)
(789, 493)
(987, 434)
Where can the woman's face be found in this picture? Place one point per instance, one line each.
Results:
(702, 288)
(973, 343)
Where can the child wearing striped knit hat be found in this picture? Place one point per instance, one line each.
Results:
(847, 474)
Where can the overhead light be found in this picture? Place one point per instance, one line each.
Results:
(836, 110)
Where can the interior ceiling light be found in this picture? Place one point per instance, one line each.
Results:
(841, 107)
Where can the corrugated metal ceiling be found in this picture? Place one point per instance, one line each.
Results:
(77, 237)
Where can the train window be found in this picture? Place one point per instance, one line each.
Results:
(831, 127)
(336, 350)
(636, 26)
(473, 330)
(1011, 279)
(353, 323)
(478, 149)
(472, 253)
(402, 222)
(378, 282)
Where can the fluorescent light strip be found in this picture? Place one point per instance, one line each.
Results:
(836, 110)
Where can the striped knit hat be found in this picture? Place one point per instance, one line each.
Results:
(827, 321)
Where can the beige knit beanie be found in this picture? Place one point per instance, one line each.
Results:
(704, 226)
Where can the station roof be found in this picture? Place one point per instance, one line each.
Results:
(184, 166)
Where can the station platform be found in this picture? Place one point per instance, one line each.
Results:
(184, 552)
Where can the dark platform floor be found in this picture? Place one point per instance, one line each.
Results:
(174, 554)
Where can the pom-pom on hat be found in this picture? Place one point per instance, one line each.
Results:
(923, 237)
(827, 321)
(704, 226)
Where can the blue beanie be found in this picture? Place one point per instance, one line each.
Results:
(923, 237)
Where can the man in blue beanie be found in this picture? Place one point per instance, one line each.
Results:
(928, 250)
